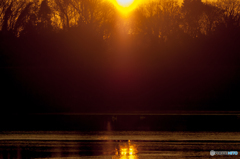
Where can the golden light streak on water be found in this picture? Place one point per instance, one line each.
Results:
(126, 151)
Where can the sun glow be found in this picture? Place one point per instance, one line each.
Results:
(125, 6)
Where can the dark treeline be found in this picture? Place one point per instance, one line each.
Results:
(83, 55)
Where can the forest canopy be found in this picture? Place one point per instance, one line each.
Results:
(192, 16)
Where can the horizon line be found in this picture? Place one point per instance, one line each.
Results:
(136, 113)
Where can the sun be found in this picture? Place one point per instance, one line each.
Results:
(125, 3)
(125, 6)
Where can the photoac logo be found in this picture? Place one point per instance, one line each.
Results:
(212, 153)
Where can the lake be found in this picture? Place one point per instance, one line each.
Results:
(116, 144)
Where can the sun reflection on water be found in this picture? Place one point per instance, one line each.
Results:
(126, 151)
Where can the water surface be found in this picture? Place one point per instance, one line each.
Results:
(116, 144)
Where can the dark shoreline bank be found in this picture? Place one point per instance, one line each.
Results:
(120, 122)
